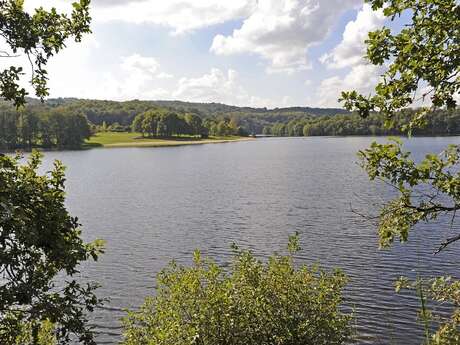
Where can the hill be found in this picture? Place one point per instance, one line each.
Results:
(253, 120)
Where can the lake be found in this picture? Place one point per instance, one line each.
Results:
(153, 205)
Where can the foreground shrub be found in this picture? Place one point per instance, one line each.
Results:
(251, 303)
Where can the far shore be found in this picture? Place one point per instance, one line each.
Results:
(116, 140)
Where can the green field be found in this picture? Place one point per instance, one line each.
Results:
(123, 139)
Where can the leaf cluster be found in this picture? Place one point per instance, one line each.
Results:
(425, 53)
(439, 330)
(38, 36)
(38, 241)
(251, 303)
(426, 189)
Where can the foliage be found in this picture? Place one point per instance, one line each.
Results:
(251, 120)
(163, 123)
(39, 240)
(441, 290)
(252, 303)
(45, 127)
(439, 122)
(426, 190)
(158, 123)
(45, 334)
(425, 55)
(39, 36)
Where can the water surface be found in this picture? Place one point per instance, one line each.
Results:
(153, 205)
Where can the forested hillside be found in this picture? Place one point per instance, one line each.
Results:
(43, 126)
(441, 122)
(252, 119)
(67, 123)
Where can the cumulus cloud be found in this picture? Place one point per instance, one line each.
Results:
(113, 2)
(140, 64)
(60, 5)
(164, 75)
(220, 86)
(69, 72)
(30, 4)
(281, 31)
(352, 48)
(350, 53)
(134, 77)
(137, 77)
(361, 78)
(180, 15)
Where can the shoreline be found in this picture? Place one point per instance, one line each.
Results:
(158, 143)
(167, 143)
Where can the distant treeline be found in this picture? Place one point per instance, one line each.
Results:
(41, 127)
(66, 123)
(440, 122)
(122, 114)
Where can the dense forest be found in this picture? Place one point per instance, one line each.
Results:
(67, 123)
(41, 126)
(252, 120)
(441, 122)
(167, 123)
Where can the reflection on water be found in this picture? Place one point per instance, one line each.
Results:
(154, 205)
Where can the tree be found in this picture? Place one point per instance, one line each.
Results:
(150, 123)
(136, 126)
(195, 123)
(251, 303)
(38, 36)
(38, 241)
(29, 128)
(424, 54)
(38, 238)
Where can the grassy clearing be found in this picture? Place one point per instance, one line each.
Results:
(115, 139)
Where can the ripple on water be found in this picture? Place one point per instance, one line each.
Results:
(155, 205)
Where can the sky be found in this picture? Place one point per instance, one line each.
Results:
(260, 53)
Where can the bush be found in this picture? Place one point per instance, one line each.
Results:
(254, 303)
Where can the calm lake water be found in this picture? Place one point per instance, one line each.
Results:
(153, 205)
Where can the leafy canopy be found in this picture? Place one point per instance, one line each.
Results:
(38, 36)
(425, 53)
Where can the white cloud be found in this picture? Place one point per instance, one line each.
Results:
(351, 50)
(180, 15)
(113, 2)
(164, 75)
(68, 71)
(140, 64)
(361, 78)
(123, 88)
(135, 77)
(61, 5)
(281, 31)
(220, 86)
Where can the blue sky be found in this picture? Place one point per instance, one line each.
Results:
(271, 53)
